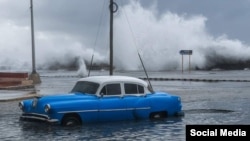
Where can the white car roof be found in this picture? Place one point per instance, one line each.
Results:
(114, 78)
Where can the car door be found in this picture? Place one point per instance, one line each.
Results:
(137, 103)
(111, 104)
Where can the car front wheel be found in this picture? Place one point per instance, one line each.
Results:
(71, 120)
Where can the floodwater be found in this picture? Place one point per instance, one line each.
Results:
(222, 102)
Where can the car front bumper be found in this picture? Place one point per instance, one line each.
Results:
(37, 117)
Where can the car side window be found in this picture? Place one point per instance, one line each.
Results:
(85, 87)
(140, 89)
(111, 89)
(133, 89)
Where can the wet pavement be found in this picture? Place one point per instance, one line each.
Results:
(11, 95)
(223, 102)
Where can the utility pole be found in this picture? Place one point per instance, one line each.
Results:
(111, 38)
(34, 75)
(113, 7)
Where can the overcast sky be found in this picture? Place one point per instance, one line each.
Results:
(228, 17)
(66, 29)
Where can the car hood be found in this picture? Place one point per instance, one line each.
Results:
(58, 98)
(37, 104)
(67, 97)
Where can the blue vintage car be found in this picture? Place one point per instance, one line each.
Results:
(102, 98)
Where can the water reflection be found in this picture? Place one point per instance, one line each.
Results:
(196, 111)
(172, 128)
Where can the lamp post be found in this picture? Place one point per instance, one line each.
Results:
(113, 7)
(111, 38)
(34, 75)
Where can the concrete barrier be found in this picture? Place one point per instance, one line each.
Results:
(198, 80)
(15, 80)
(22, 75)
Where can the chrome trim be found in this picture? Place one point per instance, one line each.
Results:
(111, 110)
(105, 110)
(82, 111)
(39, 117)
(35, 114)
(142, 108)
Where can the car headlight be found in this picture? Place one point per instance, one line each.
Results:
(21, 106)
(34, 102)
(47, 108)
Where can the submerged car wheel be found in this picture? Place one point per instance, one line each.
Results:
(71, 120)
(158, 115)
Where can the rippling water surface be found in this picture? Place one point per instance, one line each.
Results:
(203, 103)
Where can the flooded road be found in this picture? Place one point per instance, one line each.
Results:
(203, 103)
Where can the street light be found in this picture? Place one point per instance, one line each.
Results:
(34, 75)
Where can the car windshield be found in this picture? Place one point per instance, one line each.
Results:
(85, 87)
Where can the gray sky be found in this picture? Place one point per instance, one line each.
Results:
(228, 17)
(68, 29)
